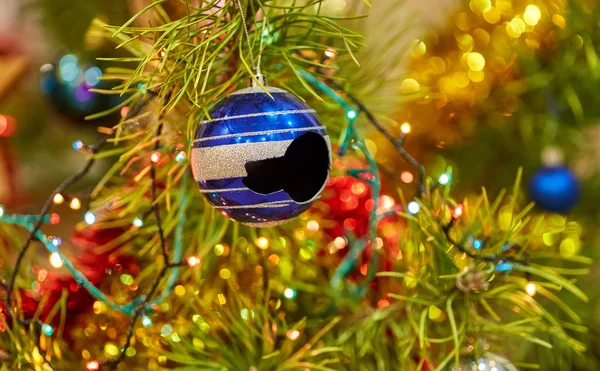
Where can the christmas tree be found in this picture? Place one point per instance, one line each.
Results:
(321, 185)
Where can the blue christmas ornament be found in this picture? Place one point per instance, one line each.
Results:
(554, 189)
(68, 84)
(261, 160)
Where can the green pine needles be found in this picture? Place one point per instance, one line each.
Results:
(466, 280)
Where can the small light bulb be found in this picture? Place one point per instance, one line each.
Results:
(351, 114)
(47, 330)
(75, 204)
(477, 244)
(330, 53)
(386, 202)
(90, 218)
(406, 177)
(56, 241)
(531, 289)
(413, 207)
(78, 145)
(1, 210)
(405, 128)
(146, 321)
(293, 335)
(458, 211)
(55, 260)
(92, 366)
(155, 157)
(262, 242)
(340, 243)
(58, 199)
(289, 293)
(193, 261)
(137, 222)
(444, 179)
(180, 156)
(54, 218)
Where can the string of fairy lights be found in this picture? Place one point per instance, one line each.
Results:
(138, 307)
(141, 306)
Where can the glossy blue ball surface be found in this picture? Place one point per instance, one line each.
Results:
(250, 127)
(554, 189)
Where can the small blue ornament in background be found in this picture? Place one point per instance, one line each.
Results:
(261, 159)
(554, 189)
(68, 85)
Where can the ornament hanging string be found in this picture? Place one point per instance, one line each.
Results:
(255, 63)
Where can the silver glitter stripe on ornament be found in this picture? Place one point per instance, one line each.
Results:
(257, 89)
(258, 114)
(224, 190)
(258, 206)
(267, 224)
(222, 162)
(264, 132)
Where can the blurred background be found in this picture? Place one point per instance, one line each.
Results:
(487, 86)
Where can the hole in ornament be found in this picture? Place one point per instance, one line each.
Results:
(301, 172)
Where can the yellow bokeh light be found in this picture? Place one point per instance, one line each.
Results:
(111, 349)
(569, 247)
(419, 50)
(179, 290)
(515, 28)
(55, 260)
(530, 289)
(405, 128)
(435, 313)
(406, 177)
(340, 242)
(437, 65)
(58, 199)
(549, 239)
(460, 79)
(504, 6)
(262, 243)
(219, 249)
(98, 307)
(75, 204)
(410, 282)
(386, 203)
(480, 6)
(221, 299)
(465, 42)
(273, 259)
(476, 61)
(358, 188)
(225, 273)
(532, 15)
(312, 225)
(492, 15)
(409, 86)
(293, 334)
(559, 20)
(476, 76)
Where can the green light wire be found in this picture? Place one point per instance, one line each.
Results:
(349, 134)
